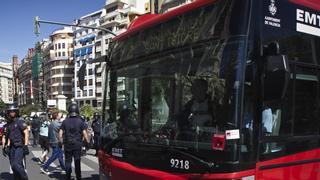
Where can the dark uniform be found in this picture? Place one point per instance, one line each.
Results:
(96, 127)
(73, 128)
(35, 128)
(17, 148)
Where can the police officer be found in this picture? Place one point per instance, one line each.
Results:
(35, 128)
(73, 130)
(96, 127)
(18, 136)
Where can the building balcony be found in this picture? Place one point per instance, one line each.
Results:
(111, 3)
(60, 58)
(99, 79)
(106, 23)
(99, 90)
(98, 48)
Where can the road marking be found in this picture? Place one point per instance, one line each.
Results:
(84, 167)
(38, 153)
(92, 158)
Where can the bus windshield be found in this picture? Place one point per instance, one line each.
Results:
(182, 98)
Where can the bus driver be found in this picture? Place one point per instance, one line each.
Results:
(199, 110)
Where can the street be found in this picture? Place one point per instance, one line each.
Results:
(89, 167)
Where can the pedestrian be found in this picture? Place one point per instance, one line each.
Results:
(35, 128)
(5, 141)
(57, 152)
(18, 137)
(44, 140)
(96, 127)
(72, 131)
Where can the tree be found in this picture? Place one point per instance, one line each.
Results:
(26, 110)
(87, 110)
(3, 106)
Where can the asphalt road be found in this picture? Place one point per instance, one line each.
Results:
(89, 167)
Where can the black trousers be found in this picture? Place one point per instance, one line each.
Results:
(35, 135)
(96, 142)
(76, 155)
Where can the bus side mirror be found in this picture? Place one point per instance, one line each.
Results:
(276, 77)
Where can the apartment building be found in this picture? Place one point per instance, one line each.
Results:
(58, 66)
(85, 52)
(118, 16)
(6, 83)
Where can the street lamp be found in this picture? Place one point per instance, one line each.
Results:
(81, 73)
(37, 22)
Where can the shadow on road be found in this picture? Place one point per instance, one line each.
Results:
(63, 176)
(6, 176)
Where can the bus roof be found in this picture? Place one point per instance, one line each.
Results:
(149, 20)
(312, 4)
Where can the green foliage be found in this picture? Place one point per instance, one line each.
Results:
(26, 110)
(87, 110)
(3, 106)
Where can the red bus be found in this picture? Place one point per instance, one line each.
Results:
(215, 89)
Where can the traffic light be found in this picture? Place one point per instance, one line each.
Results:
(36, 26)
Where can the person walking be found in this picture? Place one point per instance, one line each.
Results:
(44, 140)
(35, 128)
(96, 127)
(72, 131)
(18, 137)
(57, 152)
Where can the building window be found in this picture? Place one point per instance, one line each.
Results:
(85, 93)
(59, 46)
(63, 45)
(88, 102)
(90, 82)
(78, 93)
(59, 54)
(90, 72)
(63, 54)
(56, 54)
(55, 46)
(90, 92)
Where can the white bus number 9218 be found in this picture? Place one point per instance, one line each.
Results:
(179, 164)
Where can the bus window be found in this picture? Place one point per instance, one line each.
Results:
(297, 114)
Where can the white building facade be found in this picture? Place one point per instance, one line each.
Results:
(84, 52)
(6, 83)
(58, 65)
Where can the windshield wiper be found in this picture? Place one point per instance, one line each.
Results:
(176, 149)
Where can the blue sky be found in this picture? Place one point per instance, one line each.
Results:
(17, 19)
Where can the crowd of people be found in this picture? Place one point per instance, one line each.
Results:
(63, 137)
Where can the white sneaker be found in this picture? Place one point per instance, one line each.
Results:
(46, 171)
(11, 172)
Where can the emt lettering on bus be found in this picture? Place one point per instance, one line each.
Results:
(308, 18)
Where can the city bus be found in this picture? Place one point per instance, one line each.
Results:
(215, 89)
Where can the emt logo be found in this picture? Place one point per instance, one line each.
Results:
(308, 22)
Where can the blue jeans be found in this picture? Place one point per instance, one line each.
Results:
(56, 154)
